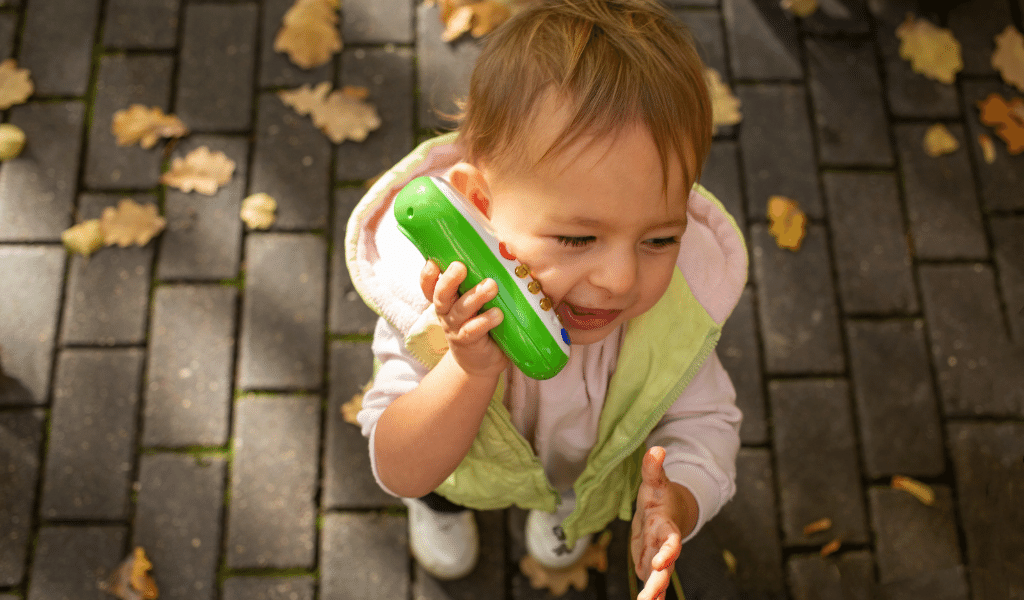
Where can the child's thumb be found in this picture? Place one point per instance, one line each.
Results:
(652, 471)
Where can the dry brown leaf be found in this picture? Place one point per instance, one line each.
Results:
(931, 50)
(800, 8)
(341, 114)
(725, 107)
(350, 409)
(988, 148)
(475, 17)
(487, 16)
(915, 488)
(258, 211)
(15, 84)
(818, 526)
(137, 123)
(460, 21)
(200, 170)
(830, 548)
(787, 223)
(309, 33)
(131, 579)
(12, 141)
(938, 141)
(558, 581)
(1008, 57)
(84, 238)
(1006, 117)
(130, 223)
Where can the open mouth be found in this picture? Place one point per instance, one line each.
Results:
(585, 319)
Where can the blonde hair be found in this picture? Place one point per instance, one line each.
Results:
(617, 62)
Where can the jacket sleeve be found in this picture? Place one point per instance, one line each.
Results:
(700, 434)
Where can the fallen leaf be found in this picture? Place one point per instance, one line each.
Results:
(558, 581)
(730, 561)
(931, 50)
(830, 548)
(12, 141)
(1006, 117)
(258, 211)
(800, 8)
(350, 409)
(1008, 57)
(341, 114)
(787, 223)
(457, 24)
(818, 526)
(138, 123)
(131, 580)
(84, 238)
(988, 148)
(915, 488)
(487, 16)
(725, 107)
(309, 33)
(200, 170)
(938, 141)
(130, 223)
(15, 84)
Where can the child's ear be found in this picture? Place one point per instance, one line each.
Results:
(470, 182)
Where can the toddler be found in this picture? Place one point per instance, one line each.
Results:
(585, 130)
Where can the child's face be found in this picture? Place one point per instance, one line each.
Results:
(594, 226)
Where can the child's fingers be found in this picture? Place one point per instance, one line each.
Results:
(478, 327)
(447, 289)
(428, 279)
(470, 303)
(653, 471)
(656, 585)
(668, 553)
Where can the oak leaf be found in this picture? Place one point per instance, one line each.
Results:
(341, 114)
(1006, 117)
(938, 141)
(725, 107)
(84, 238)
(131, 579)
(258, 211)
(200, 170)
(309, 33)
(931, 50)
(15, 84)
(558, 581)
(137, 123)
(787, 223)
(1008, 57)
(12, 141)
(130, 223)
(800, 8)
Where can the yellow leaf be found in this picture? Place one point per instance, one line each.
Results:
(818, 526)
(341, 114)
(830, 548)
(988, 148)
(145, 126)
(725, 107)
(931, 50)
(258, 211)
(730, 561)
(800, 8)
(15, 84)
(915, 488)
(787, 223)
(460, 21)
(487, 15)
(938, 141)
(309, 33)
(350, 409)
(1007, 117)
(131, 580)
(130, 223)
(84, 238)
(12, 141)
(1008, 57)
(200, 170)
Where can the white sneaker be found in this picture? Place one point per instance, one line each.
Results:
(447, 545)
(545, 540)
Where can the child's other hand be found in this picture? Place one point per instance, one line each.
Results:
(466, 331)
(656, 540)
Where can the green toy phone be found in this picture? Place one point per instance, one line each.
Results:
(445, 227)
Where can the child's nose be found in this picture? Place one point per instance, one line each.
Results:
(615, 272)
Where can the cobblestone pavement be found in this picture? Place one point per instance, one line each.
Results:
(185, 396)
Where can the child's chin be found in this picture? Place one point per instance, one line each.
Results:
(582, 337)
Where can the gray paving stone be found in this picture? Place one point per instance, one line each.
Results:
(388, 74)
(107, 299)
(348, 480)
(291, 162)
(348, 313)
(910, 94)
(1002, 181)
(203, 239)
(376, 22)
(703, 572)
(740, 354)
(945, 219)
(849, 110)
(988, 459)
(519, 588)
(218, 54)
(178, 522)
(774, 117)
(37, 189)
(57, 44)
(21, 433)
(869, 236)
(947, 584)
(1008, 239)
(490, 573)
(268, 588)
(796, 304)
(90, 451)
(978, 371)
(141, 24)
(8, 29)
(721, 177)
(272, 512)
(125, 80)
(762, 40)
(816, 459)
(70, 561)
(620, 568)
(282, 331)
(849, 576)
(29, 307)
(364, 556)
(838, 17)
(275, 69)
(443, 69)
(706, 28)
(188, 378)
(912, 539)
(892, 385)
(974, 24)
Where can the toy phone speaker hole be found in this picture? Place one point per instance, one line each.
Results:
(409, 212)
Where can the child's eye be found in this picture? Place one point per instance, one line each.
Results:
(575, 242)
(662, 242)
